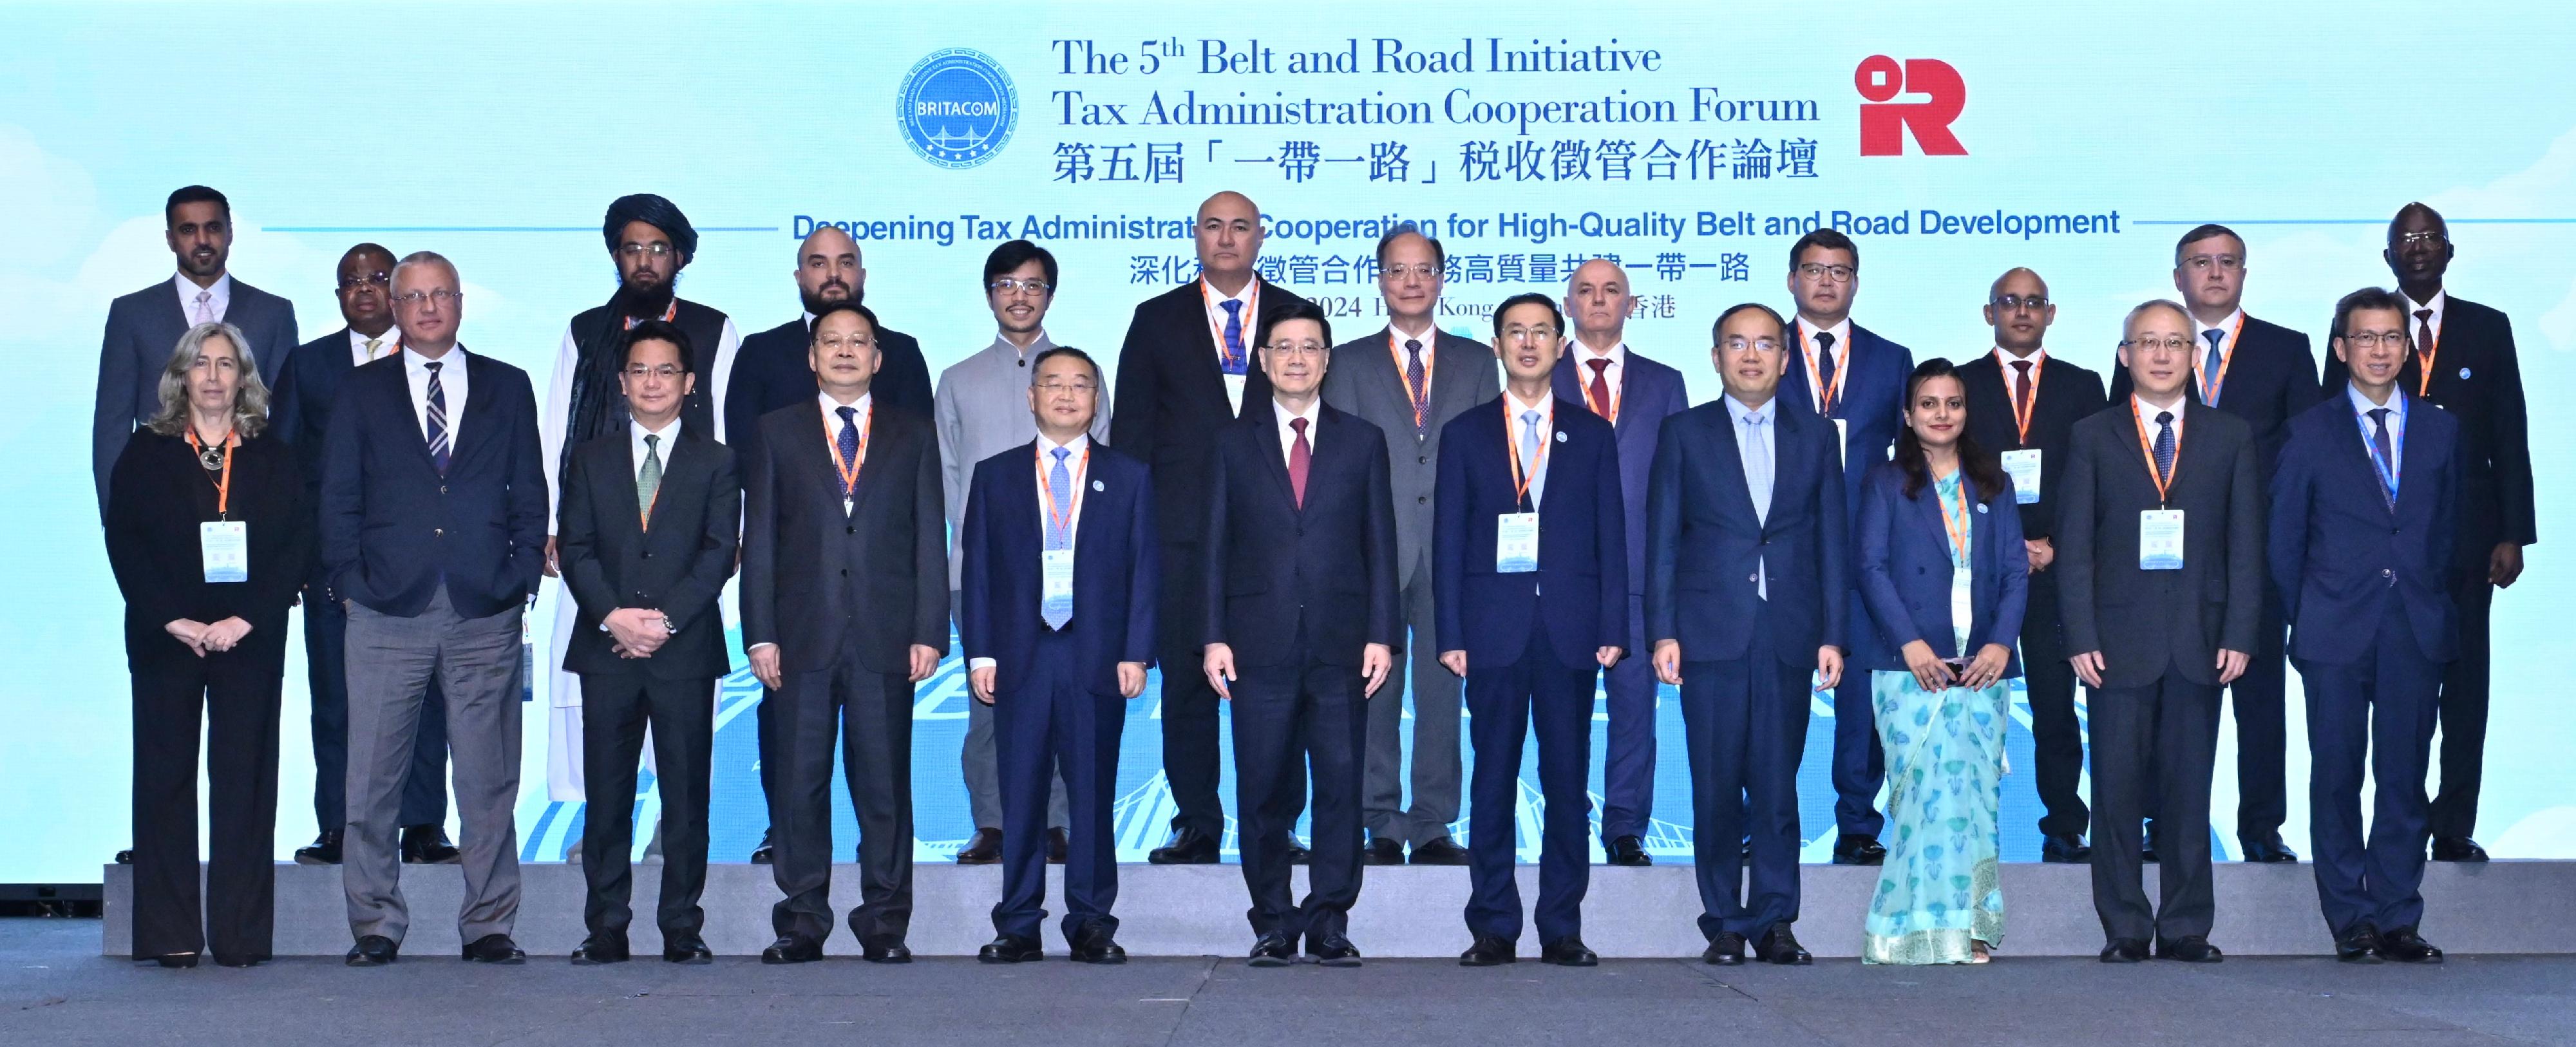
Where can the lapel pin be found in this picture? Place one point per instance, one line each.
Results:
(1096, 486)
(2464, 374)
(1560, 436)
(1981, 507)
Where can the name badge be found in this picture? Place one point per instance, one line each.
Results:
(226, 546)
(1516, 543)
(2023, 468)
(2160, 540)
(1842, 441)
(1056, 595)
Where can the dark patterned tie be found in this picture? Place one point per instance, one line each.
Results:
(1300, 459)
(1416, 387)
(2021, 388)
(2164, 448)
(848, 445)
(1234, 356)
(438, 440)
(2387, 457)
(1825, 374)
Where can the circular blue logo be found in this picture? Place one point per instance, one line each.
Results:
(956, 107)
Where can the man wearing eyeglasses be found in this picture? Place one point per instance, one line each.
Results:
(1409, 380)
(1844, 373)
(2262, 373)
(983, 410)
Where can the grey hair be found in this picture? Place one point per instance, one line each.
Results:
(427, 258)
(2130, 324)
(250, 398)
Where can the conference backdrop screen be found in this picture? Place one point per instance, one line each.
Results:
(1692, 142)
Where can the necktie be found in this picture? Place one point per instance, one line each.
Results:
(438, 441)
(1599, 391)
(372, 343)
(1757, 481)
(2021, 386)
(2164, 447)
(1529, 455)
(1234, 360)
(1300, 458)
(2424, 340)
(648, 480)
(1824, 374)
(1416, 386)
(2209, 370)
(2387, 456)
(848, 445)
(205, 307)
(1059, 610)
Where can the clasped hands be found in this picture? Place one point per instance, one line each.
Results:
(201, 637)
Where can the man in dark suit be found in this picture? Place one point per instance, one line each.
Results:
(2464, 364)
(143, 327)
(1528, 612)
(1599, 371)
(1839, 371)
(1300, 619)
(2259, 372)
(1745, 582)
(1409, 380)
(2362, 526)
(2159, 545)
(771, 372)
(1056, 613)
(1186, 369)
(2023, 404)
(844, 608)
(650, 524)
(301, 408)
(433, 531)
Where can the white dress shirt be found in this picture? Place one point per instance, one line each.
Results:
(2440, 299)
(666, 438)
(1287, 435)
(1074, 466)
(1611, 376)
(1840, 354)
(451, 386)
(2147, 414)
(219, 296)
(1514, 426)
(386, 343)
(1248, 295)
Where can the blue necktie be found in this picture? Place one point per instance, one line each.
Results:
(2164, 447)
(438, 439)
(1757, 481)
(1234, 358)
(1059, 610)
(1529, 456)
(2387, 464)
(2209, 371)
(848, 445)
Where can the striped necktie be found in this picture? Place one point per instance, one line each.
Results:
(438, 436)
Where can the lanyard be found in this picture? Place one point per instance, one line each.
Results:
(2211, 385)
(2164, 483)
(1512, 451)
(1826, 398)
(667, 314)
(1064, 522)
(224, 489)
(2386, 469)
(850, 470)
(1250, 316)
(2424, 360)
(2022, 408)
(1418, 399)
(1618, 390)
(1958, 528)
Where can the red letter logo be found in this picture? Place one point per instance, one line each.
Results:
(1883, 123)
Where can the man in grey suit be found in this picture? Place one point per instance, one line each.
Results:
(1410, 380)
(143, 327)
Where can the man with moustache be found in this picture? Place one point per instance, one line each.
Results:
(1422, 378)
(1186, 368)
(2464, 363)
(306, 386)
(2260, 372)
(1635, 395)
(2023, 403)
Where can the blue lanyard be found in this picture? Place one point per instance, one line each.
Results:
(2386, 469)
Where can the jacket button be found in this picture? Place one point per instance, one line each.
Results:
(1422, 500)
(1423, 460)
(442, 488)
(648, 554)
(2383, 572)
(845, 572)
(438, 532)
(854, 529)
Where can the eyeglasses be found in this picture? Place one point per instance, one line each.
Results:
(657, 249)
(2034, 303)
(378, 279)
(1530, 334)
(1737, 345)
(853, 342)
(1840, 274)
(441, 297)
(1076, 388)
(2171, 345)
(2367, 340)
(640, 372)
(1006, 285)
(1398, 273)
(2201, 263)
(2421, 238)
(1295, 349)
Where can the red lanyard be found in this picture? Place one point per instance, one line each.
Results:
(224, 489)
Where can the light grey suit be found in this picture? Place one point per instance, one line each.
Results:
(1364, 379)
(142, 330)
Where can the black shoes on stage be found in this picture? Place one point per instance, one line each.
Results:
(1186, 847)
(324, 850)
(2457, 849)
(1855, 849)
(1629, 851)
(427, 845)
(2065, 850)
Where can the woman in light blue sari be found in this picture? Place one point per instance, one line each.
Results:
(1944, 573)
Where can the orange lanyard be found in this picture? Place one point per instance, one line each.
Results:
(2212, 385)
(2022, 408)
(1251, 313)
(1512, 450)
(1826, 398)
(1958, 528)
(646, 522)
(224, 489)
(1618, 390)
(850, 470)
(667, 314)
(2163, 482)
(1418, 399)
(1064, 521)
(2424, 361)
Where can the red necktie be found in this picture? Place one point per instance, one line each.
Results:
(1300, 458)
(2021, 385)
(1599, 392)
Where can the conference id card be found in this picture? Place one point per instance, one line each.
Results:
(1056, 591)
(1516, 543)
(225, 545)
(2023, 467)
(2160, 540)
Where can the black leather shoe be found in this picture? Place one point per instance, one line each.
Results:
(686, 948)
(885, 952)
(2267, 851)
(1780, 946)
(1489, 951)
(598, 949)
(427, 845)
(177, 960)
(2194, 949)
(1296, 852)
(1568, 951)
(2359, 944)
(2405, 946)
(1058, 846)
(325, 850)
(763, 854)
(125, 857)
(792, 949)
(2124, 950)
(1855, 849)
(240, 961)
(1382, 850)
(1272, 950)
(1443, 851)
(2065, 850)
(498, 948)
(1629, 851)
(1332, 950)
(983, 848)
(1094, 944)
(1186, 847)
(374, 950)
(2457, 849)
(1010, 948)
(1725, 950)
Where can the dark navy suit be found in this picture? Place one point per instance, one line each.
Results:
(1531, 641)
(1905, 573)
(394, 528)
(2366, 587)
(1056, 702)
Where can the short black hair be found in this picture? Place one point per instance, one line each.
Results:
(1439, 254)
(657, 330)
(875, 330)
(1303, 310)
(1554, 314)
(194, 194)
(1826, 239)
(2202, 232)
(1015, 254)
(1729, 314)
(1062, 350)
(2373, 298)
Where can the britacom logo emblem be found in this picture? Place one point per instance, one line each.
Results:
(957, 107)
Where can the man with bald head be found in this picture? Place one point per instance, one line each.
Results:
(2023, 405)
(1186, 369)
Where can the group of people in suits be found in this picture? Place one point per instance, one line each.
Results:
(1276, 521)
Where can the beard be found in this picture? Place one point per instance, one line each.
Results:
(645, 301)
(815, 302)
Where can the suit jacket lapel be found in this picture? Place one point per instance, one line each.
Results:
(1453, 376)
(1380, 373)
(1731, 481)
(476, 419)
(1277, 457)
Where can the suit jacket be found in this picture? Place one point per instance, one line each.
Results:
(157, 496)
(1649, 392)
(1170, 398)
(1872, 402)
(300, 413)
(142, 330)
(2477, 378)
(1274, 571)
(2339, 552)
(811, 572)
(1906, 572)
(773, 370)
(2065, 393)
(1705, 545)
(2147, 622)
(1117, 569)
(1365, 381)
(610, 560)
(2267, 385)
(393, 527)
(1582, 542)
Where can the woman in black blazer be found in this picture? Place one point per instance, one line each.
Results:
(210, 536)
